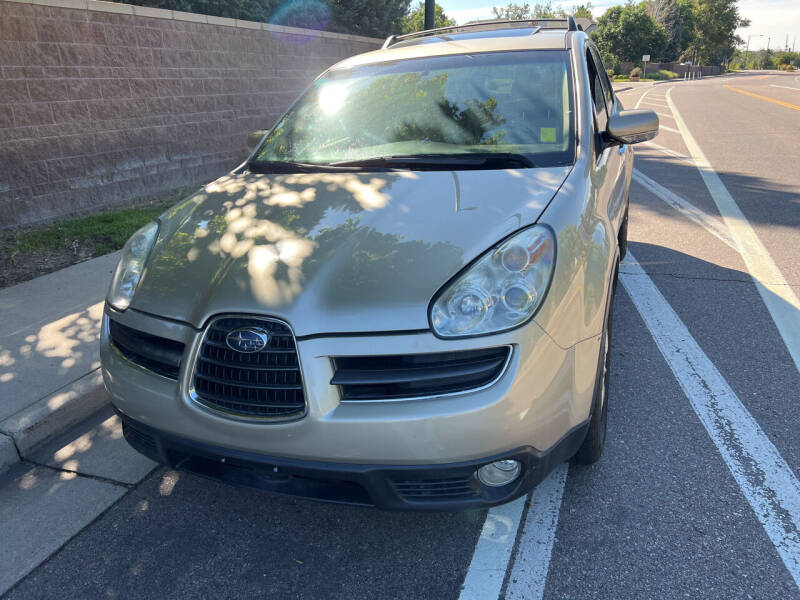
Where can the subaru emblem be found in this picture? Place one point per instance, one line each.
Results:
(247, 340)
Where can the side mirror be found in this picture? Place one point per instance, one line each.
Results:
(254, 139)
(633, 126)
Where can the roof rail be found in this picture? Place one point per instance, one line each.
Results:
(568, 24)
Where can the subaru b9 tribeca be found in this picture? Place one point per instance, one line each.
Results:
(403, 298)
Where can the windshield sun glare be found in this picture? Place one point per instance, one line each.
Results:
(505, 103)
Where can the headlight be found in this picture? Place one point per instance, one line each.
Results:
(501, 290)
(131, 263)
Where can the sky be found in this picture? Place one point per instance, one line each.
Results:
(776, 18)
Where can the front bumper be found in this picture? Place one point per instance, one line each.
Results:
(444, 487)
(544, 393)
(536, 410)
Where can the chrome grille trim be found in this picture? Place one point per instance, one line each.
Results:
(265, 386)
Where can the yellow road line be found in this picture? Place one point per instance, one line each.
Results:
(768, 99)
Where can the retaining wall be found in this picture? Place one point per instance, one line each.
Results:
(103, 103)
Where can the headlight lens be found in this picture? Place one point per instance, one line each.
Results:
(500, 291)
(131, 263)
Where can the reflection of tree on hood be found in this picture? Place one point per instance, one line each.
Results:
(277, 224)
(372, 257)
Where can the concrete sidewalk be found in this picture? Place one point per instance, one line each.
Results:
(49, 365)
(60, 489)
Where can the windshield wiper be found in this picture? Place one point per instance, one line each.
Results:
(466, 160)
(285, 166)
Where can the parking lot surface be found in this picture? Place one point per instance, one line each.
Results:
(697, 493)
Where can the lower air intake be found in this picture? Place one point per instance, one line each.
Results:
(418, 375)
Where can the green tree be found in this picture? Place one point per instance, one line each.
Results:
(667, 14)
(784, 57)
(374, 18)
(415, 20)
(716, 22)
(625, 33)
(512, 11)
(686, 11)
(582, 11)
(545, 10)
(541, 10)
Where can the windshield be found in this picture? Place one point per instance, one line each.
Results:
(514, 104)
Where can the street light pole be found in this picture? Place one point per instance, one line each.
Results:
(748, 45)
(430, 8)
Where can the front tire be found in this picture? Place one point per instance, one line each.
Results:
(592, 447)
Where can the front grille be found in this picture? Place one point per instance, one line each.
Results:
(158, 354)
(261, 385)
(449, 488)
(414, 375)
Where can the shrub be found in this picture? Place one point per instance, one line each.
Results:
(610, 73)
(636, 72)
(661, 74)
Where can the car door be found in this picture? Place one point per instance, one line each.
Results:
(611, 159)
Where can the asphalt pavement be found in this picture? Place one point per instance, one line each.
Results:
(670, 511)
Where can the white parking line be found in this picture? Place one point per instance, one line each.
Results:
(668, 128)
(778, 296)
(669, 151)
(529, 573)
(664, 115)
(489, 564)
(490, 560)
(642, 97)
(786, 87)
(713, 225)
(766, 481)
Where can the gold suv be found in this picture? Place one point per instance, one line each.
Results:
(403, 298)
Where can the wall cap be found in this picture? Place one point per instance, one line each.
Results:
(159, 13)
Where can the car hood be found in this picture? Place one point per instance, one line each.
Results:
(333, 252)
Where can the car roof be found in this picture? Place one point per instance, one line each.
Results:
(463, 40)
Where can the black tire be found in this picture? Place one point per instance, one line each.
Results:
(623, 236)
(592, 447)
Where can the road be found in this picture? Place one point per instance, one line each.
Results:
(696, 495)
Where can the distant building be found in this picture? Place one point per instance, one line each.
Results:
(586, 24)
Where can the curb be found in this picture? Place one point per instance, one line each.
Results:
(22, 433)
(8, 453)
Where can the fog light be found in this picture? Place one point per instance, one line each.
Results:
(499, 473)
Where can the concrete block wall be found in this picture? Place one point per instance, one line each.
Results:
(675, 67)
(103, 103)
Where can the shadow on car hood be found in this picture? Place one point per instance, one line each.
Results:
(333, 252)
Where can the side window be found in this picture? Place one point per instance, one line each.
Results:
(608, 91)
(598, 94)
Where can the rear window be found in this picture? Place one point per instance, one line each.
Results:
(507, 102)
